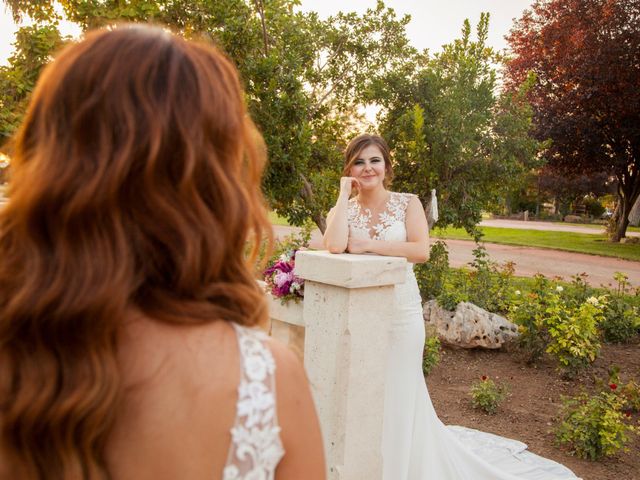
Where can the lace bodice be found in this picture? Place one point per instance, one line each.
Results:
(389, 225)
(256, 447)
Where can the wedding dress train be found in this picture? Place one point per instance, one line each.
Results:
(416, 445)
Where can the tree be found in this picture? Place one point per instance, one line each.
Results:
(450, 131)
(304, 77)
(585, 57)
(33, 48)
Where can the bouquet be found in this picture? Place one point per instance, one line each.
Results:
(281, 280)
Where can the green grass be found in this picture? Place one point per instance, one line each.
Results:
(595, 226)
(593, 244)
(276, 219)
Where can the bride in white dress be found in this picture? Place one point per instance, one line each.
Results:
(416, 445)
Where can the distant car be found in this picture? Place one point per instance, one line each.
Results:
(607, 214)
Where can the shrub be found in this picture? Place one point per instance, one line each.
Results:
(574, 333)
(432, 274)
(567, 330)
(622, 321)
(487, 284)
(594, 426)
(431, 355)
(629, 392)
(594, 207)
(528, 312)
(487, 395)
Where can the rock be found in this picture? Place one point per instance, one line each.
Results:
(573, 219)
(469, 326)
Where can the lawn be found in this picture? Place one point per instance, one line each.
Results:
(597, 226)
(276, 219)
(594, 244)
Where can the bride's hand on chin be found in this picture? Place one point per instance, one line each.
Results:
(357, 245)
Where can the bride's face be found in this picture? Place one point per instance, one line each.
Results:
(369, 168)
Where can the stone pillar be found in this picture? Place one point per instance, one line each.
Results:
(348, 304)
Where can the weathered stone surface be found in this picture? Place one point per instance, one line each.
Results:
(469, 326)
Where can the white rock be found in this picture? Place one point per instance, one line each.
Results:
(469, 326)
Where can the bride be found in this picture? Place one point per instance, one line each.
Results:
(416, 445)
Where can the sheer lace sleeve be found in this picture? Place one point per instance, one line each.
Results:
(256, 447)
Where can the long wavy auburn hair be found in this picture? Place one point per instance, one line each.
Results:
(135, 185)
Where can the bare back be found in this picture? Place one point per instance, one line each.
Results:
(181, 402)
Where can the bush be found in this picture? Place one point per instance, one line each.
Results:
(550, 322)
(487, 285)
(594, 426)
(629, 392)
(487, 395)
(594, 207)
(622, 321)
(431, 354)
(432, 274)
(528, 312)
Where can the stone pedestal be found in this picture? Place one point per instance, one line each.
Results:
(348, 304)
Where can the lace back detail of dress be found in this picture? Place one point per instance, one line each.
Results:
(256, 447)
(361, 221)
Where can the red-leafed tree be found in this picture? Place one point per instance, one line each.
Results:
(585, 55)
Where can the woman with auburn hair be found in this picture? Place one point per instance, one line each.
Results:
(126, 300)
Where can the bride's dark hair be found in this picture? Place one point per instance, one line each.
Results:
(135, 185)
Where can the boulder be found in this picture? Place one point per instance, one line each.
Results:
(469, 326)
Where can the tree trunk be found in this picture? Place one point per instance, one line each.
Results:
(309, 197)
(628, 193)
(320, 221)
(634, 216)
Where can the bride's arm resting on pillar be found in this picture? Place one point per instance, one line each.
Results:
(336, 236)
(415, 249)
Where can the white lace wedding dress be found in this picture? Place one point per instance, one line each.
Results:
(256, 448)
(416, 445)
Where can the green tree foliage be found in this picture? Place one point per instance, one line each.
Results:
(304, 77)
(452, 132)
(33, 48)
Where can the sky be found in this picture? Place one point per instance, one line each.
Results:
(433, 22)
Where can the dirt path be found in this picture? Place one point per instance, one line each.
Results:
(550, 263)
(529, 261)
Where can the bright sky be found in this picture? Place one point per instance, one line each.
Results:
(433, 22)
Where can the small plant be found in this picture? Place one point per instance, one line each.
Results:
(595, 426)
(622, 321)
(528, 312)
(487, 395)
(431, 275)
(487, 284)
(431, 355)
(565, 329)
(574, 333)
(630, 391)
